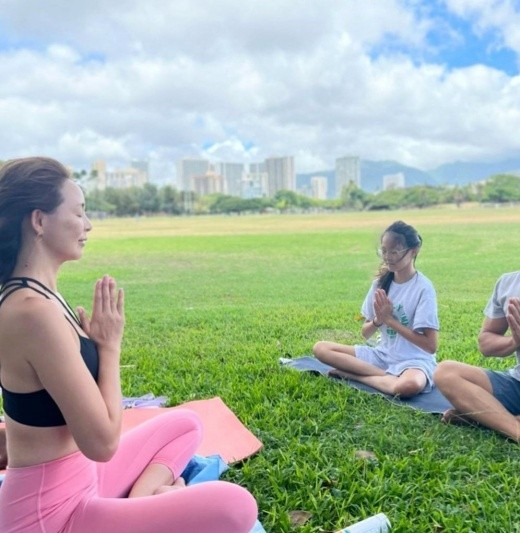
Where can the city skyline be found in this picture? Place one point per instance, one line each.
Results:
(252, 180)
(425, 83)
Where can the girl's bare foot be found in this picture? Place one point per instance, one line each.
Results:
(335, 373)
(179, 483)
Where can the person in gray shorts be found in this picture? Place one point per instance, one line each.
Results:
(488, 397)
(401, 307)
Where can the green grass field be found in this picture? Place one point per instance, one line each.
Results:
(213, 302)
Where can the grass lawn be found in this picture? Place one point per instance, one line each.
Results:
(213, 302)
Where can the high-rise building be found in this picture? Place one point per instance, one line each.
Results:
(120, 178)
(257, 168)
(123, 178)
(280, 174)
(209, 183)
(347, 171)
(254, 183)
(233, 174)
(187, 168)
(99, 171)
(250, 188)
(319, 187)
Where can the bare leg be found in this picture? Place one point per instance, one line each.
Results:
(347, 365)
(411, 382)
(469, 390)
(155, 479)
(343, 358)
(179, 483)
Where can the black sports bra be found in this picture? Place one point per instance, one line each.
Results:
(38, 408)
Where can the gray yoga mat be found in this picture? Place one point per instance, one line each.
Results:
(431, 402)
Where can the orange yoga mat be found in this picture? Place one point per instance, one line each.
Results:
(224, 434)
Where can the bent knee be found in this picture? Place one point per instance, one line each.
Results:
(445, 372)
(182, 420)
(320, 349)
(236, 508)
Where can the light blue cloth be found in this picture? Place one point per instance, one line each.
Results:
(209, 468)
(258, 528)
(201, 469)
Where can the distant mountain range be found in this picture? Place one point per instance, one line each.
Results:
(459, 173)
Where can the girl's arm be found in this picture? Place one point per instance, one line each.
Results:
(370, 327)
(427, 339)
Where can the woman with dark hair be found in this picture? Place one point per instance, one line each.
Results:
(402, 305)
(68, 468)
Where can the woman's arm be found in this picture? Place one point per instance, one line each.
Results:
(92, 410)
(105, 328)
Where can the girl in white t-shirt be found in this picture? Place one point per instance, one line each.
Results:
(402, 305)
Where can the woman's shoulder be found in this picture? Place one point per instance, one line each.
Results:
(29, 315)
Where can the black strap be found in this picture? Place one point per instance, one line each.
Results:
(17, 283)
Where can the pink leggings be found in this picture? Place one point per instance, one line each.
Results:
(75, 495)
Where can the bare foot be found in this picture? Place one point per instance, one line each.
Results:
(179, 483)
(335, 373)
(452, 416)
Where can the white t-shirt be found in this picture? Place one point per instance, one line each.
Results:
(415, 306)
(507, 285)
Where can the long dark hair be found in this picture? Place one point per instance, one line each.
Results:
(26, 184)
(405, 235)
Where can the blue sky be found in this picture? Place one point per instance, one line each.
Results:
(420, 82)
(454, 41)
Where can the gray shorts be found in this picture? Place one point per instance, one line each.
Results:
(506, 389)
(375, 357)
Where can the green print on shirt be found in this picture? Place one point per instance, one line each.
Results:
(400, 315)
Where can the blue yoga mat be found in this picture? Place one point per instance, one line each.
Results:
(431, 402)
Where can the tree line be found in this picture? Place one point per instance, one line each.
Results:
(152, 199)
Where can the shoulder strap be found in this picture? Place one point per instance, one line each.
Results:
(17, 283)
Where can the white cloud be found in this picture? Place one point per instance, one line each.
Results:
(247, 80)
(498, 16)
(89, 145)
(232, 149)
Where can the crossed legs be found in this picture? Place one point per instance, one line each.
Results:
(469, 390)
(147, 467)
(343, 358)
